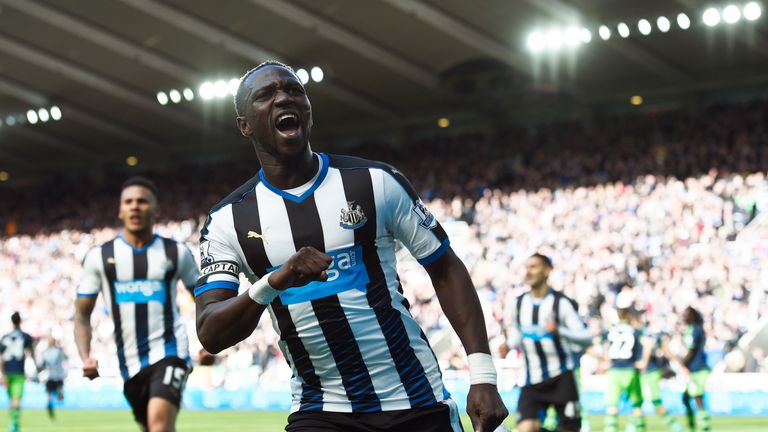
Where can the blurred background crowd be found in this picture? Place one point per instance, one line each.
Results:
(651, 204)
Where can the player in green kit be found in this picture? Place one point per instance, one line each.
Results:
(14, 347)
(624, 352)
(651, 375)
(694, 366)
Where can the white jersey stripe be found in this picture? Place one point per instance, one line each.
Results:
(311, 335)
(156, 262)
(376, 355)
(278, 240)
(124, 272)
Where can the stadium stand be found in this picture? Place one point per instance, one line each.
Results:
(649, 203)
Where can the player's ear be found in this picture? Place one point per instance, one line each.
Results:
(244, 127)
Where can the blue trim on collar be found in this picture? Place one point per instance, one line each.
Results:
(308, 192)
(141, 249)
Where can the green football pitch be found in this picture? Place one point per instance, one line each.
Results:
(211, 421)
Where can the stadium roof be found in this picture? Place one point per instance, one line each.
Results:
(388, 65)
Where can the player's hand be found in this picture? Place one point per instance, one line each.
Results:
(91, 368)
(485, 407)
(551, 327)
(305, 266)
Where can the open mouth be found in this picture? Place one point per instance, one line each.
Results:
(288, 124)
(135, 219)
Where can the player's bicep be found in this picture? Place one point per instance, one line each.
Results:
(84, 308)
(411, 222)
(572, 319)
(207, 298)
(90, 278)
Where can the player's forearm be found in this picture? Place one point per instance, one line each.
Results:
(686, 361)
(581, 337)
(83, 335)
(222, 324)
(459, 301)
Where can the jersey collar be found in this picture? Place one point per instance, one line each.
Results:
(141, 249)
(297, 199)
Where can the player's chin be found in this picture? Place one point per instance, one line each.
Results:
(290, 146)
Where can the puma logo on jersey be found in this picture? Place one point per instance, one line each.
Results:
(110, 260)
(254, 234)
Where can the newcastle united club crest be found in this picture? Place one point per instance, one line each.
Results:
(352, 217)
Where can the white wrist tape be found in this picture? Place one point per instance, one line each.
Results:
(481, 369)
(261, 292)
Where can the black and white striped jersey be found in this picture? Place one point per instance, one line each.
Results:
(139, 286)
(351, 341)
(548, 355)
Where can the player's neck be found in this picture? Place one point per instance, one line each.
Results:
(138, 239)
(291, 173)
(540, 290)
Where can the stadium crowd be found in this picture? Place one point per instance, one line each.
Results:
(647, 203)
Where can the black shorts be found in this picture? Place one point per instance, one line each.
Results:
(560, 392)
(54, 386)
(164, 379)
(443, 417)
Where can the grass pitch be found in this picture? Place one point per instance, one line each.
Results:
(211, 421)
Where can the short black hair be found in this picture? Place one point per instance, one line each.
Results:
(545, 259)
(16, 319)
(241, 91)
(140, 181)
(697, 317)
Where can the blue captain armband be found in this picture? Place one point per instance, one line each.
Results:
(232, 286)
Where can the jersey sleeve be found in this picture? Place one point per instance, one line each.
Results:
(90, 278)
(188, 271)
(410, 221)
(573, 328)
(27, 341)
(219, 261)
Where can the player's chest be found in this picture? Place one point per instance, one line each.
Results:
(336, 219)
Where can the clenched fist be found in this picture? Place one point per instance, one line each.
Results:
(305, 266)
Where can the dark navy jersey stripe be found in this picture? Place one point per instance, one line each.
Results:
(307, 230)
(172, 255)
(346, 353)
(108, 262)
(537, 344)
(312, 394)
(140, 270)
(358, 187)
(245, 215)
(351, 162)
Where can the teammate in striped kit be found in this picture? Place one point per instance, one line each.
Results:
(138, 273)
(52, 362)
(548, 330)
(315, 234)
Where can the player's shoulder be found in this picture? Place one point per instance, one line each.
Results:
(564, 297)
(237, 195)
(346, 162)
(354, 162)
